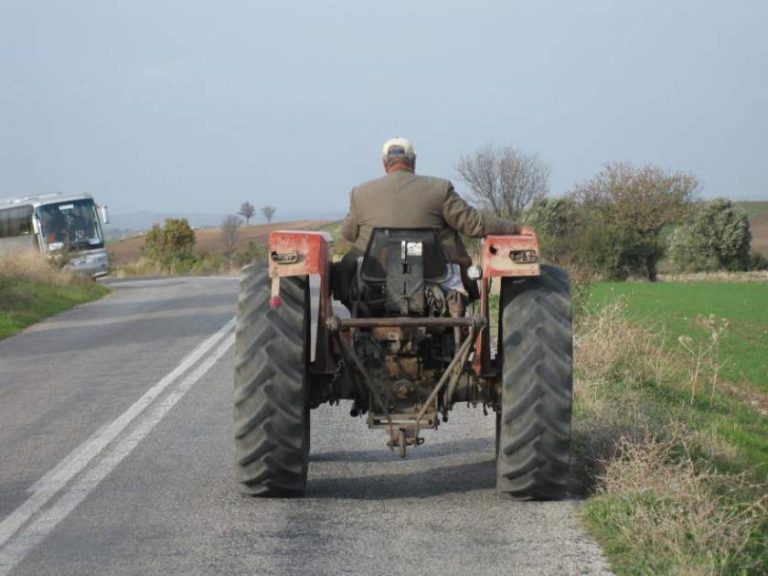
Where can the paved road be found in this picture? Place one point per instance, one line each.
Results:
(115, 458)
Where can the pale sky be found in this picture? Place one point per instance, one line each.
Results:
(185, 106)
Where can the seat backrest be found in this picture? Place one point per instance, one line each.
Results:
(401, 261)
(408, 244)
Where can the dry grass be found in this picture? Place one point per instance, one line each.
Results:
(695, 519)
(753, 276)
(139, 267)
(661, 506)
(609, 347)
(31, 266)
(705, 356)
(608, 350)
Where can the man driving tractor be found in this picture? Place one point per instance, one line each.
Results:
(403, 199)
(407, 351)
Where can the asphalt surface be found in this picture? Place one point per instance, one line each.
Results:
(116, 458)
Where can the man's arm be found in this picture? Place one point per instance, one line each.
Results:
(349, 228)
(471, 222)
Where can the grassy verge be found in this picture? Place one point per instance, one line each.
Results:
(671, 414)
(30, 291)
(695, 310)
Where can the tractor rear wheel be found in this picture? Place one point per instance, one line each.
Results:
(533, 429)
(271, 385)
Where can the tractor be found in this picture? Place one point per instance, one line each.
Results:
(400, 356)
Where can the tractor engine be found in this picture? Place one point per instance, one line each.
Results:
(404, 363)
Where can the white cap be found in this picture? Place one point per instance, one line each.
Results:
(397, 147)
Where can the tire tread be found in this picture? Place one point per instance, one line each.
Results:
(271, 417)
(534, 430)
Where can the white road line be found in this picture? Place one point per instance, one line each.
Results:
(52, 482)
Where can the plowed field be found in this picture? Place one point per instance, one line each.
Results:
(209, 239)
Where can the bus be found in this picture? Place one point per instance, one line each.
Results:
(65, 228)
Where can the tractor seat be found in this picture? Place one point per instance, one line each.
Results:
(397, 265)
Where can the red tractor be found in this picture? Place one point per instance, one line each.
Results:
(400, 356)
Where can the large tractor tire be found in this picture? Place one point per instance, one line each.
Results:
(533, 428)
(271, 386)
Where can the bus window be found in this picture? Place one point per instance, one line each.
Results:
(73, 224)
(16, 221)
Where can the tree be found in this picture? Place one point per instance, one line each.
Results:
(717, 237)
(268, 212)
(554, 220)
(622, 212)
(247, 211)
(504, 180)
(230, 230)
(172, 242)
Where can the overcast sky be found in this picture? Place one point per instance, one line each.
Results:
(185, 106)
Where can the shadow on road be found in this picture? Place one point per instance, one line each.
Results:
(435, 481)
(427, 450)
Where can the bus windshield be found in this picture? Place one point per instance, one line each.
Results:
(72, 225)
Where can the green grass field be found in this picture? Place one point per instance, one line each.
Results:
(677, 308)
(24, 301)
(681, 463)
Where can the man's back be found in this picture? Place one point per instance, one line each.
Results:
(397, 200)
(402, 199)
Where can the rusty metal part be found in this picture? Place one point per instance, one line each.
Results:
(513, 255)
(403, 438)
(451, 390)
(403, 389)
(298, 253)
(388, 333)
(408, 431)
(458, 360)
(336, 324)
(284, 258)
(481, 362)
(350, 355)
(306, 253)
(456, 374)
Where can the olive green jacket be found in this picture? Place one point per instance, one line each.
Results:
(402, 199)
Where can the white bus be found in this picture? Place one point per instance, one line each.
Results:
(63, 227)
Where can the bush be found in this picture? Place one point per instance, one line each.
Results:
(170, 247)
(757, 261)
(717, 237)
(173, 241)
(554, 220)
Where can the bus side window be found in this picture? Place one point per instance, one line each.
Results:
(16, 222)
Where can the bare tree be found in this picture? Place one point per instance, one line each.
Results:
(268, 212)
(230, 230)
(247, 211)
(505, 180)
